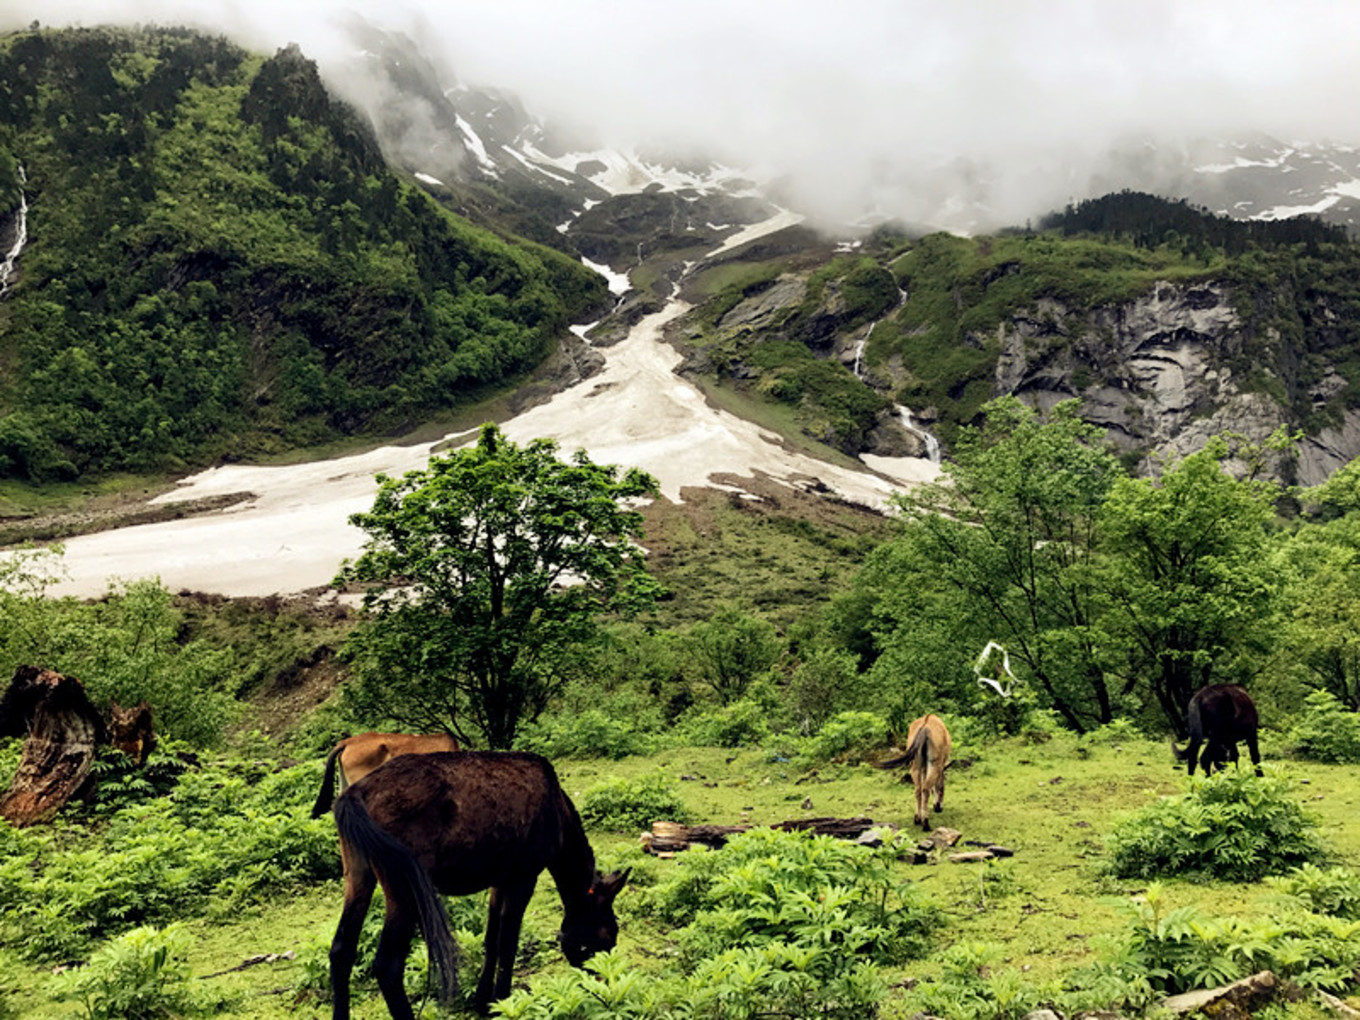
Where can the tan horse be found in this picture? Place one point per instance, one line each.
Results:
(362, 753)
(927, 757)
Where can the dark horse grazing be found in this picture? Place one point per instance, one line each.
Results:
(457, 823)
(1218, 717)
(927, 757)
(360, 754)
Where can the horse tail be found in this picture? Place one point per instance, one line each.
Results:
(326, 796)
(918, 751)
(402, 877)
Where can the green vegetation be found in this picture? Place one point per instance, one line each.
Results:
(489, 568)
(1233, 826)
(220, 261)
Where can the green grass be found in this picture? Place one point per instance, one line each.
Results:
(1049, 905)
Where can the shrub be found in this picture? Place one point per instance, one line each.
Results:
(973, 985)
(1168, 951)
(1331, 891)
(590, 734)
(1232, 826)
(737, 725)
(1328, 731)
(769, 886)
(620, 804)
(847, 736)
(775, 924)
(140, 975)
(223, 838)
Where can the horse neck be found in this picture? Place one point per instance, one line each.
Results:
(573, 870)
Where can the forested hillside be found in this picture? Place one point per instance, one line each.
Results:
(219, 261)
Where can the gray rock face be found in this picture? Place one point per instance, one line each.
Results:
(1154, 373)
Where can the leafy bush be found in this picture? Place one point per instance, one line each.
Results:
(775, 924)
(1233, 826)
(1169, 951)
(141, 975)
(1331, 891)
(740, 724)
(974, 986)
(619, 804)
(847, 736)
(223, 838)
(1328, 731)
(769, 886)
(593, 733)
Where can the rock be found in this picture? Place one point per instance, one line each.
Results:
(1231, 1002)
(1335, 1005)
(1043, 1014)
(943, 836)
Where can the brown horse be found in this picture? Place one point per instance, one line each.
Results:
(927, 758)
(360, 754)
(456, 824)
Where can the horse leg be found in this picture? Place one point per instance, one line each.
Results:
(1254, 752)
(1192, 756)
(481, 999)
(345, 945)
(939, 792)
(515, 900)
(389, 962)
(505, 914)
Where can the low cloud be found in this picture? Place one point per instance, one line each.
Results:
(898, 104)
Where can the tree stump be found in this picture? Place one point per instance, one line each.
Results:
(63, 730)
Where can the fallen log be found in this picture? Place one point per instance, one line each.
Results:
(672, 837)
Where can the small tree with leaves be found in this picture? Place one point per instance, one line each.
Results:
(484, 576)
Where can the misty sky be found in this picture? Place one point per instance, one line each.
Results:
(861, 95)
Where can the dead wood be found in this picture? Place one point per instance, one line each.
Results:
(62, 730)
(670, 837)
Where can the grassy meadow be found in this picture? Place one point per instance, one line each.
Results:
(1047, 911)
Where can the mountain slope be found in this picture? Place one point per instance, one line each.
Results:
(218, 260)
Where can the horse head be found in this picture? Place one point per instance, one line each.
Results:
(590, 927)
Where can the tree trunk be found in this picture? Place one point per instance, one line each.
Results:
(63, 729)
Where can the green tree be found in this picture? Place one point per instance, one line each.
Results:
(732, 649)
(485, 574)
(1004, 546)
(1191, 586)
(1320, 632)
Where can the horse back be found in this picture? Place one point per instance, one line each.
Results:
(1222, 711)
(474, 819)
(928, 745)
(364, 752)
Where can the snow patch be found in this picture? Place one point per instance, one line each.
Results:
(475, 146)
(426, 178)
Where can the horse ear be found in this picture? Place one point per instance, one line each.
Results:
(610, 884)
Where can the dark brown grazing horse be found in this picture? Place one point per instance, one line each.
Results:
(457, 823)
(360, 754)
(1218, 717)
(927, 758)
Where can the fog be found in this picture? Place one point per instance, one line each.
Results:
(896, 102)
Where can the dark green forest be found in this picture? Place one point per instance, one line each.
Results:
(220, 261)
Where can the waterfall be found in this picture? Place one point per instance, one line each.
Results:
(904, 414)
(932, 444)
(20, 235)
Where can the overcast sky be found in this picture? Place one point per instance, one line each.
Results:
(850, 95)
